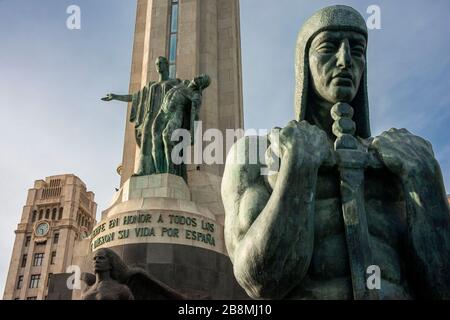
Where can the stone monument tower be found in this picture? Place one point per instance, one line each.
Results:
(197, 36)
(167, 224)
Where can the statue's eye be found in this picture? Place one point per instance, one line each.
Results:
(326, 47)
(358, 50)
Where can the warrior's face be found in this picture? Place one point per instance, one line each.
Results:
(337, 62)
(162, 65)
(101, 261)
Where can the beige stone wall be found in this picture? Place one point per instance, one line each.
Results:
(71, 195)
(205, 191)
(14, 267)
(81, 258)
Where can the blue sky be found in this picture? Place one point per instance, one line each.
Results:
(51, 79)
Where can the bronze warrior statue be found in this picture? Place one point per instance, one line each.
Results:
(158, 110)
(341, 202)
(145, 105)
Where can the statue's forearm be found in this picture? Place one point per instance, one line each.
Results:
(276, 251)
(193, 117)
(428, 237)
(194, 114)
(123, 98)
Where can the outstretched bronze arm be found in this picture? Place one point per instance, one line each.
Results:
(118, 97)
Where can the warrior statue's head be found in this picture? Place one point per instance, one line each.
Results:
(331, 65)
(162, 65)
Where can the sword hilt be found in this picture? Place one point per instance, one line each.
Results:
(352, 162)
(344, 128)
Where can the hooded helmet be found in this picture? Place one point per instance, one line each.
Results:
(334, 18)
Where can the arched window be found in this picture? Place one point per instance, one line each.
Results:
(41, 214)
(54, 214)
(33, 218)
(60, 213)
(47, 214)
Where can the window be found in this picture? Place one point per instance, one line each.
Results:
(41, 214)
(60, 213)
(27, 241)
(174, 17)
(54, 214)
(33, 219)
(34, 281)
(173, 38)
(32, 298)
(38, 258)
(47, 214)
(53, 257)
(19, 282)
(55, 238)
(173, 48)
(24, 261)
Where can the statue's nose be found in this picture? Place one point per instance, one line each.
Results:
(344, 57)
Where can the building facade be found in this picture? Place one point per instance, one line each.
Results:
(59, 212)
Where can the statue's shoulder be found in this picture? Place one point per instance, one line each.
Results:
(246, 156)
(245, 168)
(249, 147)
(123, 288)
(146, 89)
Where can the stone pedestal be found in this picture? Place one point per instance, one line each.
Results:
(153, 223)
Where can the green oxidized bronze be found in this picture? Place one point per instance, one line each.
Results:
(341, 202)
(154, 126)
(180, 109)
